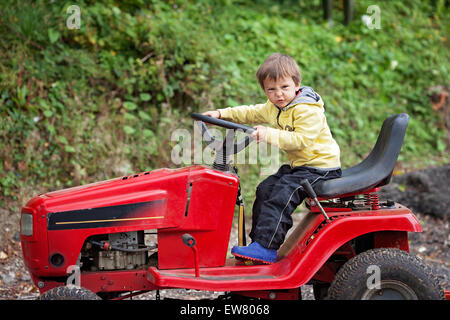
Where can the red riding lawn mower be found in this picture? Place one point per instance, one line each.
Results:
(170, 228)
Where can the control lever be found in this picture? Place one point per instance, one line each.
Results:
(190, 242)
(310, 191)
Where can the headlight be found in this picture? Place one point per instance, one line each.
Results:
(26, 224)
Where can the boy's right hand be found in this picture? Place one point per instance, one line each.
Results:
(212, 114)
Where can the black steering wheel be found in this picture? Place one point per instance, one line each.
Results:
(226, 147)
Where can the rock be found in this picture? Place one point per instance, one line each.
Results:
(8, 277)
(16, 236)
(3, 255)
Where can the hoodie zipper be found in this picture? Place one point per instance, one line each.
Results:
(285, 108)
(278, 118)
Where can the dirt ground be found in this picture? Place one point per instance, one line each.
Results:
(425, 192)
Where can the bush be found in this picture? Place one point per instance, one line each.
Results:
(101, 101)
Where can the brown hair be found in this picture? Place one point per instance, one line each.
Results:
(278, 66)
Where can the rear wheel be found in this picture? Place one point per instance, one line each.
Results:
(69, 293)
(385, 274)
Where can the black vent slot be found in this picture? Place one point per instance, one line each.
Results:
(189, 190)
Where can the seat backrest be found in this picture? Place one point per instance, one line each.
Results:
(375, 170)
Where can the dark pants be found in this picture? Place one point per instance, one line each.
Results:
(277, 197)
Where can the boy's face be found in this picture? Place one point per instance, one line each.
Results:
(280, 92)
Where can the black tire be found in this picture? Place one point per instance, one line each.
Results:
(402, 277)
(69, 293)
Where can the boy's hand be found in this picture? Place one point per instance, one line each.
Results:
(212, 114)
(260, 133)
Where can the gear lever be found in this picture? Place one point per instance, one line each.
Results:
(310, 191)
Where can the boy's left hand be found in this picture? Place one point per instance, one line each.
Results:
(259, 134)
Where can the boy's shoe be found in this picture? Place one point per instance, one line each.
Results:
(255, 252)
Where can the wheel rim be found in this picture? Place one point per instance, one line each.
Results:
(390, 290)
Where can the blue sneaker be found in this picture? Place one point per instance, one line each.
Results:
(255, 252)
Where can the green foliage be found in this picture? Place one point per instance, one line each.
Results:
(101, 101)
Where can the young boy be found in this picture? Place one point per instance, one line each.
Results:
(297, 126)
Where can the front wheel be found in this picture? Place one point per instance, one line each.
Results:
(69, 293)
(385, 274)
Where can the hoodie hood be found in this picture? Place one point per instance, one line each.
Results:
(305, 95)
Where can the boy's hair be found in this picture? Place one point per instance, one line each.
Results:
(278, 66)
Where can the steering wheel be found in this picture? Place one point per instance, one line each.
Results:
(225, 148)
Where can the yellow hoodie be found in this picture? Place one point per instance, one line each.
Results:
(300, 129)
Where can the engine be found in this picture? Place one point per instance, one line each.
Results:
(115, 251)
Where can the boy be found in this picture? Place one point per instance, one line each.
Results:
(299, 127)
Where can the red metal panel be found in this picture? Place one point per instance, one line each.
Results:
(391, 239)
(35, 247)
(106, 281)
(302, 261)
(208, 219)
(112, 281)
(165, 184)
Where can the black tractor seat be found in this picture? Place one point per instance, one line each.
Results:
(375, 170)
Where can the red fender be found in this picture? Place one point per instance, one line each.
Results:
(318, 245)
